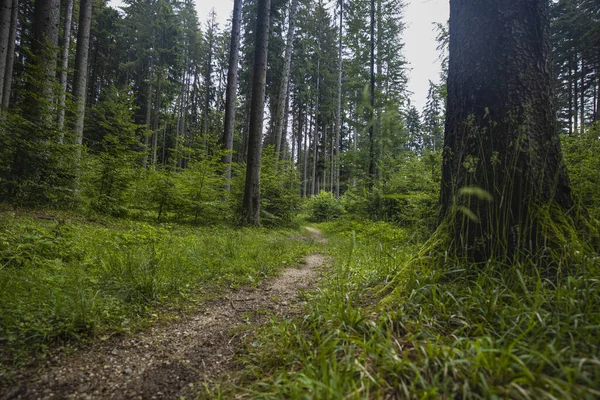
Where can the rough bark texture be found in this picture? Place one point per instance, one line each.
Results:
(43, 48)
(5, 16)
(231, 94)
(10, 55)
(81, 75)
(500, 127)
(251, 202)
(64, 66)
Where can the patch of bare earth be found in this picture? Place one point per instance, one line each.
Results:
(169, 361)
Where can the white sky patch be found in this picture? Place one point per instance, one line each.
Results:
(421, 47)
(223, 8)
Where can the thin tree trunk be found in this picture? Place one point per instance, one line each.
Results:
(164, 144)
(63, 72)
(300, 131)
(155, 127)
(282, 140)
(372, 100)
(251, 201)
(148, 119)
(582, 109)
(231, 95)
(338, 115)
(80, 81)
(597, 115)
(313, 188)
(285, 79)
(10, 56)
(570, 90)
(43, 48)
(307, 135)
(576, 97)
(208, 81)
(5, 19)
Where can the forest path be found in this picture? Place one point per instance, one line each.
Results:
(174, 359)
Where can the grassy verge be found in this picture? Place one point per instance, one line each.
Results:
(459, 331)
(64, 279)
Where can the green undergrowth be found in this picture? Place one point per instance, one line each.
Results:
(490, 331)
(68, 278)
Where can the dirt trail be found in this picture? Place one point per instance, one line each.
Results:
(172, 360)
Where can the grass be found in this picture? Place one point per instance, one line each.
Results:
(68, 279)
(491, 331)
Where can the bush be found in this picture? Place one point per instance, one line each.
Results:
(583, 164)
(324, 207)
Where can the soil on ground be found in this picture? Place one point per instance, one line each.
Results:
(175, 359)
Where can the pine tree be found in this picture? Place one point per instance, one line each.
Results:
(251, 202)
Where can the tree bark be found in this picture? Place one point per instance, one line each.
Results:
(80, 80)
(372, 100)
(43, 48)
(307, 135)
(63, 72)
(208, 77)
(231, 94)
(148, 120)
(338, 114)
(582, 110)
(285, 79)
(576, 96)
(155, 125)
(500, 132)
(314, 185)
(5, 17)
(10, 56)
(251, 202)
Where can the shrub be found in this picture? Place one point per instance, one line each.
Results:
(324, 207)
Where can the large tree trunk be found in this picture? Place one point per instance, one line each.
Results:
(81, 75)
(285, 79)
(5, 17)
(43, 49)
(62, 96)
(251, 202)
(231, 95)
(10, 56)
(500, 129)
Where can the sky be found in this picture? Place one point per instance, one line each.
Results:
(419, 39)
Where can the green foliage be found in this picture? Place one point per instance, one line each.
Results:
(406, 193)
(64, 279)
(456, 331)
(114, 152)
(194, 194)
(34, 168)
(581, 157)
(280, 201)
(324, 207)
